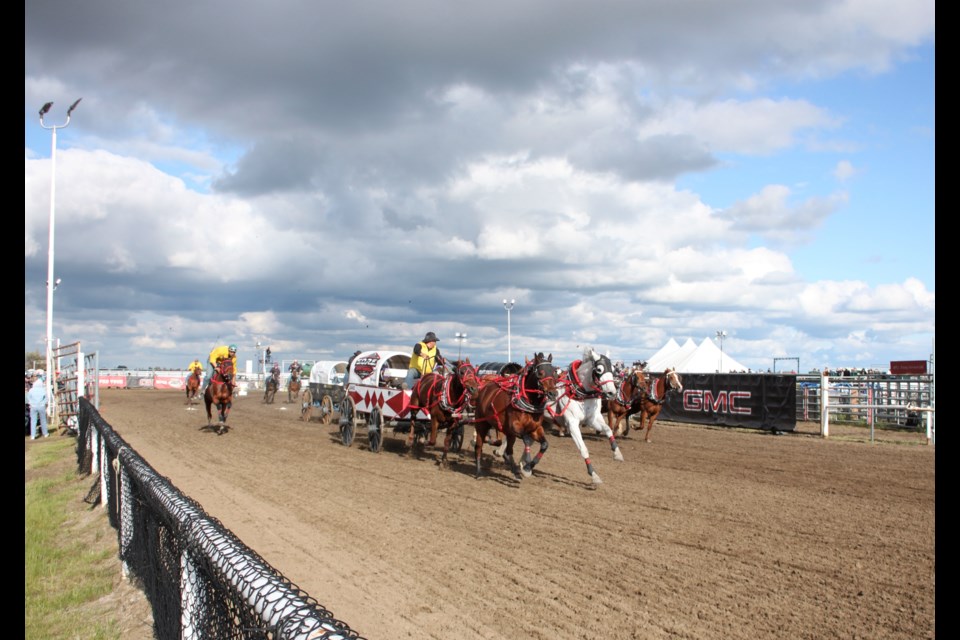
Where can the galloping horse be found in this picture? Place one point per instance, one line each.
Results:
(293, 386)
(444, 397)
(219, 393)
(270, 387)
(193, 386)
(578, 402)
(514, 405)
(651, 404)
(631, 390)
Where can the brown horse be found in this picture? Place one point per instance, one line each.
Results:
(293, 386)
(650, 406)
(514, 405)
(193, 386)
(444, 397)
(631, 390)
(220, 393)
(270, 388)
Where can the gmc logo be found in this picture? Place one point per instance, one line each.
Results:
(725, 402)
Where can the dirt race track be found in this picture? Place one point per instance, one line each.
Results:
(703, 533)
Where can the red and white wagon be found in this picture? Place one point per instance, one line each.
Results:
(374, 399)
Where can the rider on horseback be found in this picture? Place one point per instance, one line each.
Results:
(220, 353)
(295, 369)
(275, 373)
(195, 366)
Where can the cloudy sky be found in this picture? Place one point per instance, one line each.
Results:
(329, 176)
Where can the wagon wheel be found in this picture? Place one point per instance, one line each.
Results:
(348, 416)
(326, 410)
(456, 438)
(375, 430)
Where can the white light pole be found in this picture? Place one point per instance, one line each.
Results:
(721, 335)
(508, 306)
(460, 338)
(51, 283)
(260, 358)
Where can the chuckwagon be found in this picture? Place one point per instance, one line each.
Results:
(374, 399)
(326, 387)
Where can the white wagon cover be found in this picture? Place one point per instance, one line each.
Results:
(369, 375)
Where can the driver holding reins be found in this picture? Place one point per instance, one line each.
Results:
(223, 352)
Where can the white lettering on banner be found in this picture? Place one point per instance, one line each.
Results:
(725, 402)
(168, 382)
(113, 381)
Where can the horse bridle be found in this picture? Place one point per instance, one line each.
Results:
(639, 390)
(447, 403)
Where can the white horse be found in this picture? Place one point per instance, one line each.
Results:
(578, 402)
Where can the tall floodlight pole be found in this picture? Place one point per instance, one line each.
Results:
(51, 283)
(460, 338)
(508, 306)
(721, 335)
(260, 358)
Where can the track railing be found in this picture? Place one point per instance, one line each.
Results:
(202, 582)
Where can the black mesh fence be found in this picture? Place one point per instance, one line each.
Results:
(201, 581)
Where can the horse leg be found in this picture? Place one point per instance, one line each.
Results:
(481, 435)
(592, 410)
(508, 457)
(540, 437)
(434, 426)
(413, 428)
(446, 446)
(209, 402)
(573, 426)
(652, 419)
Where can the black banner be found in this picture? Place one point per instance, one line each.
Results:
(759, 401)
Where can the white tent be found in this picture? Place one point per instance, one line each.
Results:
(705, 358)
(663, 353)
(673, 357)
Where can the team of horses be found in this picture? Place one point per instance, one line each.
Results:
(506, 408)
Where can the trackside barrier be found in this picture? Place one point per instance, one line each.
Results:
(836, 401)
(201, 581)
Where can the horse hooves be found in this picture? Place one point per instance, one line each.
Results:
(617, 455)
(526, 472)
(595, 478)
(647, 440)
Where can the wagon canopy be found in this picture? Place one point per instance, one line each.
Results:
(498, 368)
(328, 372)
(379, 368)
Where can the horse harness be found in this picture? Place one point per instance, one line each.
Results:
(575, 386)
(522, 397)
(445, 397)
(639, 391)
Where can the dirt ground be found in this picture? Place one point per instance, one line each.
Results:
(702, 533)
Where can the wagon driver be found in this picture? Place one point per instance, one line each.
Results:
(222, 352)
(425, 357)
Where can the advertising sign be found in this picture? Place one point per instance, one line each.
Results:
(908, 367)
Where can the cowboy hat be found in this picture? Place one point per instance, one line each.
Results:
(431, 337)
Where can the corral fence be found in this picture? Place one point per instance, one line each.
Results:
(77, 375)
(874, 400)
(201, 581)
